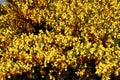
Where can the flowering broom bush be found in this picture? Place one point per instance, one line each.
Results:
(61, 39)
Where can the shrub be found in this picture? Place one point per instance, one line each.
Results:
(62, 39)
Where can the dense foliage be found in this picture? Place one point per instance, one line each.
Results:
(60, 39)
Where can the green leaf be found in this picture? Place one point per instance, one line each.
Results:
(118, 1)
(118, 59)
(74, 54)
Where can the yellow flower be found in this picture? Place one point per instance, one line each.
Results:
(92, 50)
(118, 36)
(31, 1)
(88, 44)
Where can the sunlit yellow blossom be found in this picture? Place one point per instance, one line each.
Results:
(92, 50)
(118, 36)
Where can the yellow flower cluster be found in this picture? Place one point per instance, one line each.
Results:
(83, 30)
